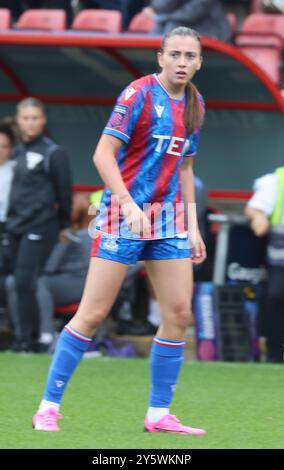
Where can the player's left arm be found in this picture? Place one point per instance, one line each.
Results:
(187, 186)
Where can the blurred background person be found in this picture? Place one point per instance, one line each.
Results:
(62, 280)
(7, 142)
(207, 17)
(38, 213)
(265, 211)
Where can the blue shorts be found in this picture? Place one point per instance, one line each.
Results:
(129, 251)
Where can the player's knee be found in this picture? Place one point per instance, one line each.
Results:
(93, 318)
(182, 313)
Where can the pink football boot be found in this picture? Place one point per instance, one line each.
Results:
(46, 420)
(170, 423)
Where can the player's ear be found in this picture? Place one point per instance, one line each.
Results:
(160, 59)
(200, 63)
(44, 120)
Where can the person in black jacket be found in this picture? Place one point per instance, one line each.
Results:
(207, 17)
(39, 211)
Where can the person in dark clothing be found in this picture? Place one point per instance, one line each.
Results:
(61, 283)
(38, 213)
(205, 16)
(128, 8)
(15, 6)
(7, 143)
(265, 211)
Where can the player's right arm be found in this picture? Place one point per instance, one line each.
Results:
(261, 205)
(259, 222)
(106, 163)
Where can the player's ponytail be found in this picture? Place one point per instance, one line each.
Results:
(194, 111)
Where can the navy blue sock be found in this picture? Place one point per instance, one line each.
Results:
(68, 353)
(166, 361)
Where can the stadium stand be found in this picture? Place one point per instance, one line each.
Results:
(107, 21)
(5, 18)
(47, 20)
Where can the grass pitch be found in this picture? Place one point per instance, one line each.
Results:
(241, 405)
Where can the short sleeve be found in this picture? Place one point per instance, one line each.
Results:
(265, 194)
(194, 138)
(125, 113)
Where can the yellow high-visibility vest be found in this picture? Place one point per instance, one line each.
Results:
(277, 217)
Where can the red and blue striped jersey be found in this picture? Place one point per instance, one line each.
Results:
(151, 125)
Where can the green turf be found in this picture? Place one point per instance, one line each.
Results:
(241, 405)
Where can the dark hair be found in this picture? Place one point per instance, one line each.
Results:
(194, 111)
(30, 101)
(8, 127)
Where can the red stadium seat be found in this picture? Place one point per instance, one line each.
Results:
(262, 39)
(5, 18)
(63, 313)
(105, 21)
(266, 23)
(265, 51)
(67, 309)
(47, 20)
(141, 23)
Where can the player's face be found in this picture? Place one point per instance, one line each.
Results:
(5, 148)
(179, 60)
(31, 121)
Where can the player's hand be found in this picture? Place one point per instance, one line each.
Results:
(62, 236)
(260, 225)
(198, 249)
(135, 218)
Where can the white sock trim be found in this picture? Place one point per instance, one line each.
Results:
(155, 414)
(46, 405)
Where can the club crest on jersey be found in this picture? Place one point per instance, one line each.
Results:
(110, 244)
(118, 115)
(129, 92)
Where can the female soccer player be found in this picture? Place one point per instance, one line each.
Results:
(145, 157)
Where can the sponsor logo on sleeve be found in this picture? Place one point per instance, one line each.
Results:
(118, 115)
